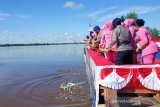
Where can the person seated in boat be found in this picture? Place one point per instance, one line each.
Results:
(122, 36)
(129, 24)
(106, 39)
(144, 42)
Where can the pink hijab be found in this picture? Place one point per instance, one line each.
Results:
(122, 23)
(110, 26)
(107, 34)
(129, 22)
(105, 26)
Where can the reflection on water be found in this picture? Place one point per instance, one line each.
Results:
(30, 76)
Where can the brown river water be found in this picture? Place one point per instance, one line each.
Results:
(30, 76)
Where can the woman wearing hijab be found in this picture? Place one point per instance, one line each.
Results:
(106, 39)
(102, 41)
(129, 24)
(148, 47)
(123, 38)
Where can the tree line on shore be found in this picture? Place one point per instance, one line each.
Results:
(38, 44)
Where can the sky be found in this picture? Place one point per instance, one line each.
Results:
(41, 21)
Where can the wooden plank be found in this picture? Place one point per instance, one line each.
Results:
(155, 105)
(154, 100)
(142, 91)
(158, 95)
(110, 95)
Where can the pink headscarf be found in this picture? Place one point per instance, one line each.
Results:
(110, 26)
(129, 22)
(105, 26)
(107, 34)
(122, 23)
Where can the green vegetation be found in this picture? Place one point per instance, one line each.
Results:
(132, 15)
(122, 18)
(154, 31)
(38, 44)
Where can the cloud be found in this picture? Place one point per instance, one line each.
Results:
(5, 31)
(4, 16)
(66, 34)
(62, 37)
(95, 15)
(69, 37)
(73, 5)
(136, 9)
(25, 17)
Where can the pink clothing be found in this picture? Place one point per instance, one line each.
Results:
(122, 23)
(107, 35)
(94, 34)
(128, 23)
(106, 40)
(103, 42)
(143, 35)
(149, 59)
(105, 26)
(133, 33)
(110, 26)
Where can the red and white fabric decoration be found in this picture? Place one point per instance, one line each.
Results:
(105, 73)
(151, 81)
(115, 81)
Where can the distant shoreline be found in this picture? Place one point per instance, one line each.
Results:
(37, 44)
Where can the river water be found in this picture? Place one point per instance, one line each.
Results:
(30, 76)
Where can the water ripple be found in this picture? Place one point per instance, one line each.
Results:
(45, 92)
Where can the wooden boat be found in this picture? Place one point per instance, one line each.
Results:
(109, 82)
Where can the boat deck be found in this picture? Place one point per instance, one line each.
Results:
(124, 97)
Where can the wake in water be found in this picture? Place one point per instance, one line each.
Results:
(44, 91)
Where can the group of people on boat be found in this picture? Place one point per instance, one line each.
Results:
(121, 41)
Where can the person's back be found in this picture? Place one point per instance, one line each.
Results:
(124, 38)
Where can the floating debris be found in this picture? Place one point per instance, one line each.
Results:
(70, 86)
